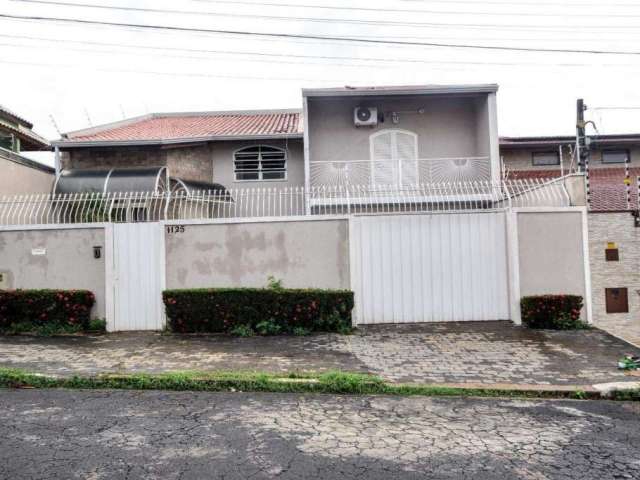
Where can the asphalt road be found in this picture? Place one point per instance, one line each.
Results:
(48, 434)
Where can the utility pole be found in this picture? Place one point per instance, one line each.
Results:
(582, 146)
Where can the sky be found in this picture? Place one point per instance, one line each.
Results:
(65, 76)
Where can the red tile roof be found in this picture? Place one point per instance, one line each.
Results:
(608, 193)
(188, 126)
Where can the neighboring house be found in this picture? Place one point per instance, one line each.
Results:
(614, 235)
(19, 174)
(541, 157)
(353, 136)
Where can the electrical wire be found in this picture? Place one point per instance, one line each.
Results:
(318, 37)
(171, 74)
(392, 23)
(271, 56)
(419, 11)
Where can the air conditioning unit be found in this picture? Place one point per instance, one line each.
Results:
(365, 116)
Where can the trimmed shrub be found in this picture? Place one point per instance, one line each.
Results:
(266, 311)
(554, 312)
(69, 309)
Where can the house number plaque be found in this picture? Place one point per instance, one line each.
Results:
(175, 228)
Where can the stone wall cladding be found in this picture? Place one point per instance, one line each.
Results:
(84, 158)
(191, 163)
(618, 228)
(188, 163)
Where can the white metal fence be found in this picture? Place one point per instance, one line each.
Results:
(420, 171)
(280, 202)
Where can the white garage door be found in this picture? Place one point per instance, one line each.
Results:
(429, 268)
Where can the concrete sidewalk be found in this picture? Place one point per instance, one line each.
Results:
(474, 353)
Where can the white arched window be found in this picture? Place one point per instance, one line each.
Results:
(394, 157)
(260, 162)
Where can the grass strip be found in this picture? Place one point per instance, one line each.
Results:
(335, 382)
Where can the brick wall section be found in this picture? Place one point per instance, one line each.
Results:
(82, 158)
(618, 228)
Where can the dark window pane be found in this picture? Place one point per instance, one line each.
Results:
(6, 142)
(615, 156)
(247, 176)
(546, 158)
(273, 175)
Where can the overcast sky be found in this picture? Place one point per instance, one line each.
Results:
(90, 74)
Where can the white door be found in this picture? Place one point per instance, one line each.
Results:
(429, 268)
(394, 157)
(136, 278)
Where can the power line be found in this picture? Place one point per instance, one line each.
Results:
(409, 10)
(271, 56)
(170, 74)
(191, 57)
(462, 37)
(489, 2)
(614, 108)
(391, 23)
(316, 37)
(560, 4)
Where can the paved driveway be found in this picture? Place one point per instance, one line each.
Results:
(57, 434)
(626, 329)
(458, 353)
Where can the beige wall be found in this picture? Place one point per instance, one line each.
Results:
(68, 261)
(550, 253)
(211, 162)
(451, 126)
(16, 178)
(617, 228)
(303, 254)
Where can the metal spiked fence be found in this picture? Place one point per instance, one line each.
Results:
(280, 202)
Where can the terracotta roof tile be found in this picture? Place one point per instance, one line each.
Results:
(159, 127)
(606, 185)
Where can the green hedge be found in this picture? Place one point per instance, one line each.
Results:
(70, 308)
(556, 312)
(282, 310)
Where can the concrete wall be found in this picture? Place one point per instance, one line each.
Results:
(550, 251)
(16, 178)
(451, 126)
(619, 229)
(210, 162)
(67, 261)
(303, 254)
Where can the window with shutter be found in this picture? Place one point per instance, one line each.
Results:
(260, 162)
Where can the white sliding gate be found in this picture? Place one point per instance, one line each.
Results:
(429, 268)
(135, 263)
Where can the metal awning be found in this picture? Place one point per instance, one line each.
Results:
(115, 180)
(129, 180)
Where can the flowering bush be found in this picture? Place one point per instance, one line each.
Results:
(39, 307)
(224, 309)
(555, 312)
